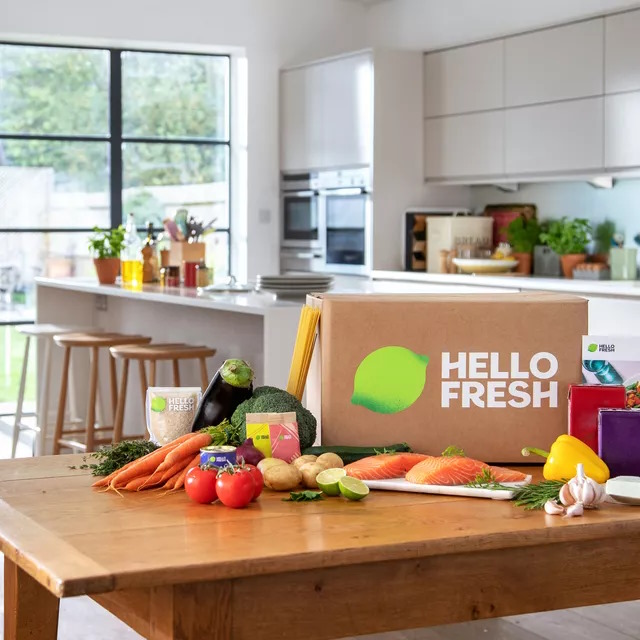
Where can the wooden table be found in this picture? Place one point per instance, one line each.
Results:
(173, 569)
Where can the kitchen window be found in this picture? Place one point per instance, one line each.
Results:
(88, 135)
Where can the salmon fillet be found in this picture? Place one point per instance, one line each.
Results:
(457, 470)
(384, 466)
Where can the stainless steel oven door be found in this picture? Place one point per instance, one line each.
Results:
(300, 220)
(346, 221)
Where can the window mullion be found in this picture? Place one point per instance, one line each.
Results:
(115, 112)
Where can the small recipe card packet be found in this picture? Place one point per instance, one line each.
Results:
(275, 434)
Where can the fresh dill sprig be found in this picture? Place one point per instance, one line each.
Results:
(486, 480)
(534, 496)
(453, 451)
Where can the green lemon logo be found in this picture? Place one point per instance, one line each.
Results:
(389, 379)
(592, 348)
(158, 404)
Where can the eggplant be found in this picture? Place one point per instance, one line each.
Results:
(232, 384)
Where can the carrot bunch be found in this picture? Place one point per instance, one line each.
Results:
(165, 467)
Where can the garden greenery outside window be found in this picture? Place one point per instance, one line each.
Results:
(88, 135)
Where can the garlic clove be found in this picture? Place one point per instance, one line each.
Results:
(576, 509)
(566, 496)
(553, 508)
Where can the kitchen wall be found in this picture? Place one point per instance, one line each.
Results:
(431, 24)
(574, 199)
(270, 33)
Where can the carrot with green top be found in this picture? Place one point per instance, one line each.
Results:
(186, 449)
(143, 467)
(181, 478)
(136, 483)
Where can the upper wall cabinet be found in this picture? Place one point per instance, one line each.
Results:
(622, 130)
(622, 54)
(555, 64)
(326, 114)
(464, 79)
(465, 146)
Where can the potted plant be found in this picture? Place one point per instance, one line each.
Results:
(105, 246)
(603, 236)
(569, 239)
(523, 235)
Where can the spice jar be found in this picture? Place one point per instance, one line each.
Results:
(202, 274)
(170, 276)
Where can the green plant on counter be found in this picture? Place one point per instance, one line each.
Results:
(603, 235)
(523, 234)
(106, 243)
(567, 236)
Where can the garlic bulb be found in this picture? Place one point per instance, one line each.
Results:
(553, 508)
(582, 490)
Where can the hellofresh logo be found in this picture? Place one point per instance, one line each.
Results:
(592, 348)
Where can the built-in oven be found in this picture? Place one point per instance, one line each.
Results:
(300, 214)
(345, 220)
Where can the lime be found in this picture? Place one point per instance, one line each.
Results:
(352, 488)
(328, 480)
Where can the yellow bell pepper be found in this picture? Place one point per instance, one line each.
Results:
(565, 453)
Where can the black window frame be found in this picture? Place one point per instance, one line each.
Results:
(115, 138)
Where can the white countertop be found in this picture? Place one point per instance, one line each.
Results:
(250, 303)
(600, 288)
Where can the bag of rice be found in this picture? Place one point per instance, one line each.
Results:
(170, 412)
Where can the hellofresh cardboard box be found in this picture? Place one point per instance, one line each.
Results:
(488, 373)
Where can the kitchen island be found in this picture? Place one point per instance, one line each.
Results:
(256, 326)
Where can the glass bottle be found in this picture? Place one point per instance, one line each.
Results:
(603, 370)
(131, 255)
(149, 256)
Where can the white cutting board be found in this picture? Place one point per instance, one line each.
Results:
(400, 484)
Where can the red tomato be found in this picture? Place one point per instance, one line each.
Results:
(235, 487)
(257, 478)
(200, 485)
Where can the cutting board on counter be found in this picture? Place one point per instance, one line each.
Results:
(400, 484)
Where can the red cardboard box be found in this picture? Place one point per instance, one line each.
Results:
(584, 402)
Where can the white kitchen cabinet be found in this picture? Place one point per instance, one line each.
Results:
(326, 114)
(464, 79)
(565, 136)
(555, 64)
(622, 130)
(347, 111)
(622, 52)
(299, 119)
(469, 145)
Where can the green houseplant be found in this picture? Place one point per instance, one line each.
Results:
(568, 238)
(105, 246)
(523, 235)
(603, 236)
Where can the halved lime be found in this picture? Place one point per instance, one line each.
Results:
(352, 488)
(328, 480)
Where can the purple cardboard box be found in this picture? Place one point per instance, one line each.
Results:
(619, 440)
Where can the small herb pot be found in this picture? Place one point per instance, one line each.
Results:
(107, 269)
(569, 262)
(524, 263)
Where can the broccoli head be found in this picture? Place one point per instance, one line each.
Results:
(273, 400)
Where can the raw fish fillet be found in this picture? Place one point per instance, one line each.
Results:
(384, 466)
(457, 470)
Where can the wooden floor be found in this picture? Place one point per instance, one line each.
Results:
(82, 619)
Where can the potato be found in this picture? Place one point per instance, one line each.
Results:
(298, 462)
(267, 463)
(330, 461)
(282, 477)
(309, 473)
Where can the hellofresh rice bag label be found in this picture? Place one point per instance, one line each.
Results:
(275, 434)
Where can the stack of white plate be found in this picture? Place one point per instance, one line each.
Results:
(295, 285)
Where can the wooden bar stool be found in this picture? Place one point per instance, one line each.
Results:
(44, 332)
(95, 342)
(154, 353)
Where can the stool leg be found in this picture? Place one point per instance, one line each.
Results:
(143, 385)
(122, 395)
(91, 408)
(176, 373)
(43, 407)
(19, 407)
(204, 374)
(73, 403)
(114, 386)
(152, 374)
(64, 381)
